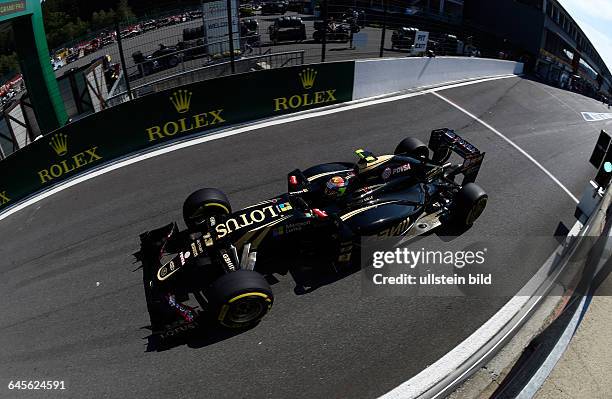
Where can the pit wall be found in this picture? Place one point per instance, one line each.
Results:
(200, 108)
(409, 73)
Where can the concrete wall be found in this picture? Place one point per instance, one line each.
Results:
(383, 76)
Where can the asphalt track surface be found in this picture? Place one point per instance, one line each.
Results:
(56, 323)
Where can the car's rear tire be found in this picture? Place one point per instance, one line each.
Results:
(240, 299)
(413, 147)
(147, 68)
(202, 204)
(173, 61)
(470, 202)
(188, 34)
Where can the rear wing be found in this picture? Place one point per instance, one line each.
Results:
(445, 141)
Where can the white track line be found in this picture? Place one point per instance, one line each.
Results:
(596, 116)
(239, 129)
(516, 147)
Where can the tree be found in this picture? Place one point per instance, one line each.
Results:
(55, 23)
(111, 17)
(124, 12)
(77, 29)
(62, 29)
(97, 18)
(9, 65)
(7, 42)
(67, 20)
(103, 19)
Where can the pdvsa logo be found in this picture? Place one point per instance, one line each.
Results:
(181, 101)
(307, 79)
(59, 144)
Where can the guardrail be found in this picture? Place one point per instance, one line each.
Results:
(215, 70)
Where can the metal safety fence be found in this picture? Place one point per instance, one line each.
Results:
(173, 47)
(211, 71)
(217, 38)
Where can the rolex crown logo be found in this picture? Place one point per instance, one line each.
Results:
(59, 143)
(181, 100)
(307, 77)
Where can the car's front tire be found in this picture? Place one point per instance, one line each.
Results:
(240, 299)
(173, 61)
(202, 204)
(147, 69)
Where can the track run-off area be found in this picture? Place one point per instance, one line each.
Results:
(73, 306)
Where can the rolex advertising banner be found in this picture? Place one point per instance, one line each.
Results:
(169, 115)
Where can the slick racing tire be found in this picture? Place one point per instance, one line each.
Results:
(203, 204)
(413, 147)
(240, 299)
(470, 202)
(147, 69)
(173, 61)
(188, 34)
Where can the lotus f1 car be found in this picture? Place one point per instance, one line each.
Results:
(223, 255)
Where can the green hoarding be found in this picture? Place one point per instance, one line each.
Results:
(170, 115)
(26, 20)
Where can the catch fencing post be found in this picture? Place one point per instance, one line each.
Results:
(325, 22)
(230, 32)
(384, 29)
(122, 58)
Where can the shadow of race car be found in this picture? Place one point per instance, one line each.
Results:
(223, 257)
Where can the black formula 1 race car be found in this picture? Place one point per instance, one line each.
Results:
(286, 29)
(164, 57)
(220, 260)
(334, 32)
